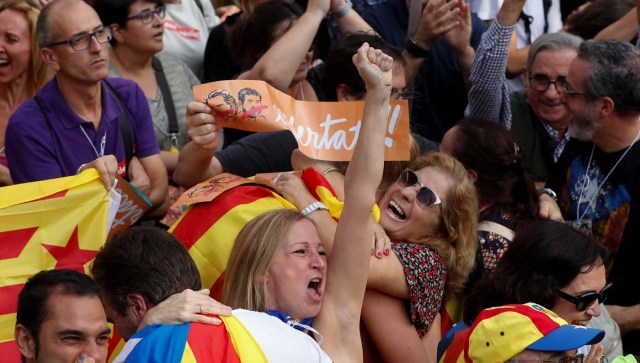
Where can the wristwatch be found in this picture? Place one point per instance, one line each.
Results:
(414, 49)
(313, 207)
(549, 192)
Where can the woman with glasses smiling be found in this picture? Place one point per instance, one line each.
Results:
(165, 80)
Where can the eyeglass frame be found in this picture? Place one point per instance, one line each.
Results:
(573, 93)
(404, 184)
(549, 82)
(93, 34)
(159, 10)
(600, 297)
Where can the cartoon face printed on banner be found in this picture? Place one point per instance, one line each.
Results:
(213, 186)
(223, 103)
(251, 103)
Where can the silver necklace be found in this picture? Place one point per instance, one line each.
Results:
(585, 182)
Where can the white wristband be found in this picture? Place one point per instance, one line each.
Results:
(313, 207)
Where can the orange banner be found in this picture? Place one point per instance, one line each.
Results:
(133, 206)
(207, 190)
(324, 130)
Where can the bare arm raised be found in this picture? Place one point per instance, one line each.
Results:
(339, 317)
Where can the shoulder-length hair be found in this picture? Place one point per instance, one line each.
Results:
(544, 256)
(494, 153)
(254, 248)
(459, 220)
(39, 71)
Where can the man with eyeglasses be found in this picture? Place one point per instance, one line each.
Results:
(80, 119)
(597, 175)
(537, 115)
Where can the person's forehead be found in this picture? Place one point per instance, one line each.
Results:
(553, 61)
(68, 311)
(577, 72)
(73, 17)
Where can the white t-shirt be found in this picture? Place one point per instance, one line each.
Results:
(488, 10)
(186, 31)
(278, 341)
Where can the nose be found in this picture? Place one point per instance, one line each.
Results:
(318, 261)
(95, 44)
(409, 193)
(96, 351)
(594, 309)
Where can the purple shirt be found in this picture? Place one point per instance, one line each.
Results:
(38, 149)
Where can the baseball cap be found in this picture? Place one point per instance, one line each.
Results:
(498, 334)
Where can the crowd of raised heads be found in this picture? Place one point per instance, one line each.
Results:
(507, 235)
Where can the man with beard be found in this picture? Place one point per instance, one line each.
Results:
(598, 172)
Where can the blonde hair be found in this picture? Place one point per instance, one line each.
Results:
(254, 248)
(39, 72)
(459, 223)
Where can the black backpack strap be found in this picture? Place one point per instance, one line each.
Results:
(125, 128)
(169, 107)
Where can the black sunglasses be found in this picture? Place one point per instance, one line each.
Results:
(426, 197)
(584, 301)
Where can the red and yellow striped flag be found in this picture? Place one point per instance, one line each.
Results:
(57, 223)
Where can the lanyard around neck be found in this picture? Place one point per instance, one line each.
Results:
(103, 142)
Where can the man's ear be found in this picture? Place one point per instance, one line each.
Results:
(606, 106)
(50, 59)
(137, 306)
(25, 341)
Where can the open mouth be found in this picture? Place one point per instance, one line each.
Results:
(397, 211)
(314, 287)
(580, 322)
(4, 62)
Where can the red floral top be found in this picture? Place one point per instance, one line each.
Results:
(426, 275)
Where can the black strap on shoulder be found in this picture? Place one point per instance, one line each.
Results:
(166, 96)
(199, 5)
(125, 127)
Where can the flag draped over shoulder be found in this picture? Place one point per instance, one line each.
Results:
(194, 343)
(57, 223)
(244, 337)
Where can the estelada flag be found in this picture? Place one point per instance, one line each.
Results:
(57, 223)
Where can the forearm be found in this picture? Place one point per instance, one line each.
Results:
(195, 165)
(280, 63)
(5, 176)
(170, 160)
(517, 59)
(623, 29)
(412, 67)
(465, 59)
(394, 335)
(627, 317)
(351, 22)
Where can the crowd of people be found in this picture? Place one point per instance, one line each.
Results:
(507, 236)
